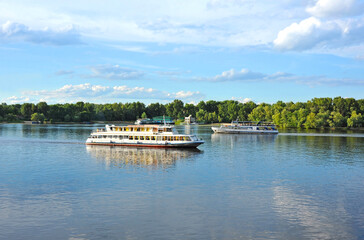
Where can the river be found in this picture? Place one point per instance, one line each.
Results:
(296, 185)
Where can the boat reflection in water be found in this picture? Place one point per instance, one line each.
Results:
(143, 157)
(238, 139)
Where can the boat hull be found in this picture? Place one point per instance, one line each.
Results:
(242, 131)
(157, 145)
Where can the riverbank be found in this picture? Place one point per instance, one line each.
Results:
(326, 129)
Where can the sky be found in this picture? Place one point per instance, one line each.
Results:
(192, 50)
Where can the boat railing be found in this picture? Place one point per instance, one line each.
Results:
(254, 123)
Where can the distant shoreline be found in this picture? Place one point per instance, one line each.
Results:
(317, 113)
(204, 125)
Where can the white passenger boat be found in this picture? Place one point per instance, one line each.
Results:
(247, 127)
(165, 136)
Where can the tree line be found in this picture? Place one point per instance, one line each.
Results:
(315, 113)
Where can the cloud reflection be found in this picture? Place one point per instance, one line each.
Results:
(317, 219)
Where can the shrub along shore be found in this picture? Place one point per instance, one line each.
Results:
(315, 113)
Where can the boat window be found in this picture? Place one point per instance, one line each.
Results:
(141, 137)
(136, 137)
(115, 136)
(153, 138)
(142, 129)
(104, 136)
(159, 138)
(188, 139)
(130, 137)
(147, 138)
(148, 129)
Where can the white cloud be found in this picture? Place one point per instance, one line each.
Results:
(16, 100)
(232, 75)
(247, 76)
(68, 92)
(344, 30)
(217, 23)
(11, 31)
(313, 33)
(114, 72)
(336, 8)
(307, 34)
(188, 95)
(202, 23)
(98, 93)
(314, 81)
(241, 99)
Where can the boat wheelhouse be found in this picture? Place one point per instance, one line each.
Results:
(247, 127)
(155, 120)
(143, 136)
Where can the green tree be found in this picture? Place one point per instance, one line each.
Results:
(211, 106)
(175, 109)
(37, 117)
(337, 120)
(27, 109)
(156, 109)
(200, 115)
(361, 106)
(302, 114)
(190, 109)
(144, 115)
(311, 121)
(245, 109)
(322, 118)
(356, 120)
(42, 107)
(10, 117)
(261, 113)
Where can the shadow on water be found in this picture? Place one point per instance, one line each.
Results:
(122, 157)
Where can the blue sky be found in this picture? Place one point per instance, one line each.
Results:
(157, 51)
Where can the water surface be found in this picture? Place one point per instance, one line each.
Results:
(297, 185)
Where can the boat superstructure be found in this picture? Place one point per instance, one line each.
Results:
(247, 127)
(143, 136)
